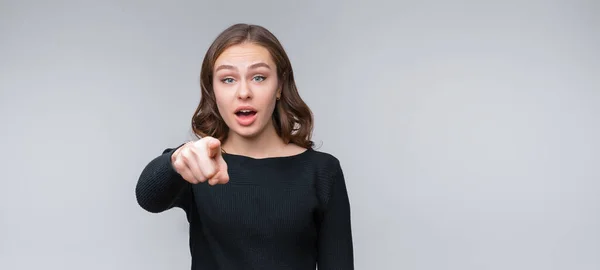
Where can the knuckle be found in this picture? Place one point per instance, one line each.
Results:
(201, 141)
(193, 180)
(209, 172)
(178, 164)
(187, 177)
(186, 152)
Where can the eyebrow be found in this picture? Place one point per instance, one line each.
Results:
(253, 66)
(261, 64)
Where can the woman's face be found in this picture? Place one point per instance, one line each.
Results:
(245, 85)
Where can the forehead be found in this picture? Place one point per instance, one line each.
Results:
(243, 55)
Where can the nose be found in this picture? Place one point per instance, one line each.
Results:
(244, 91)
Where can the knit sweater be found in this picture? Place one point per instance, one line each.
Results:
(274, 213)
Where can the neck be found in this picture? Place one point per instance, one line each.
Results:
(263, 145)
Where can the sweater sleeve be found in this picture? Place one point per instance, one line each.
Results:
(160, 187)
(335, 247)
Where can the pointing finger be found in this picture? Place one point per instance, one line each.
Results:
(213, 147)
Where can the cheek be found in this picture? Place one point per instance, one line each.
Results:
(222, 104)
(266, 98)
(269, 105)
(269, 96)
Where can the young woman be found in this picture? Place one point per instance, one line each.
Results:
(256, 195)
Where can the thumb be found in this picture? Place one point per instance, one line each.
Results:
(222, 176)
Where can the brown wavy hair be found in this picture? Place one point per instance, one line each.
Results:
(292, 118)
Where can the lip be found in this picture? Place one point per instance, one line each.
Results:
(245, 120)
(240, 108)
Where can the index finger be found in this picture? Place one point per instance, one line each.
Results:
(213, 148)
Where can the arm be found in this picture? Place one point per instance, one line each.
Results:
(335, 248)
(160, 187)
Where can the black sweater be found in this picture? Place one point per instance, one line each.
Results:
(275, 213)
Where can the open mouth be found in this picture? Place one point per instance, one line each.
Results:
(245, 113)
(246, 116)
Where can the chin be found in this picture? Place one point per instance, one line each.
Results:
(246, 132)
(257, 128)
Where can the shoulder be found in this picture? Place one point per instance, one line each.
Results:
(319, 160)
(329, 173)
(324, 160)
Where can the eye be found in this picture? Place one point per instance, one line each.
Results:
(259, 78)
(227, 80)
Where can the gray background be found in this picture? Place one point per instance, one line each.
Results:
(468, 130)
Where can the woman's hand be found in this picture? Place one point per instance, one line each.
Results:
(200, 161)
